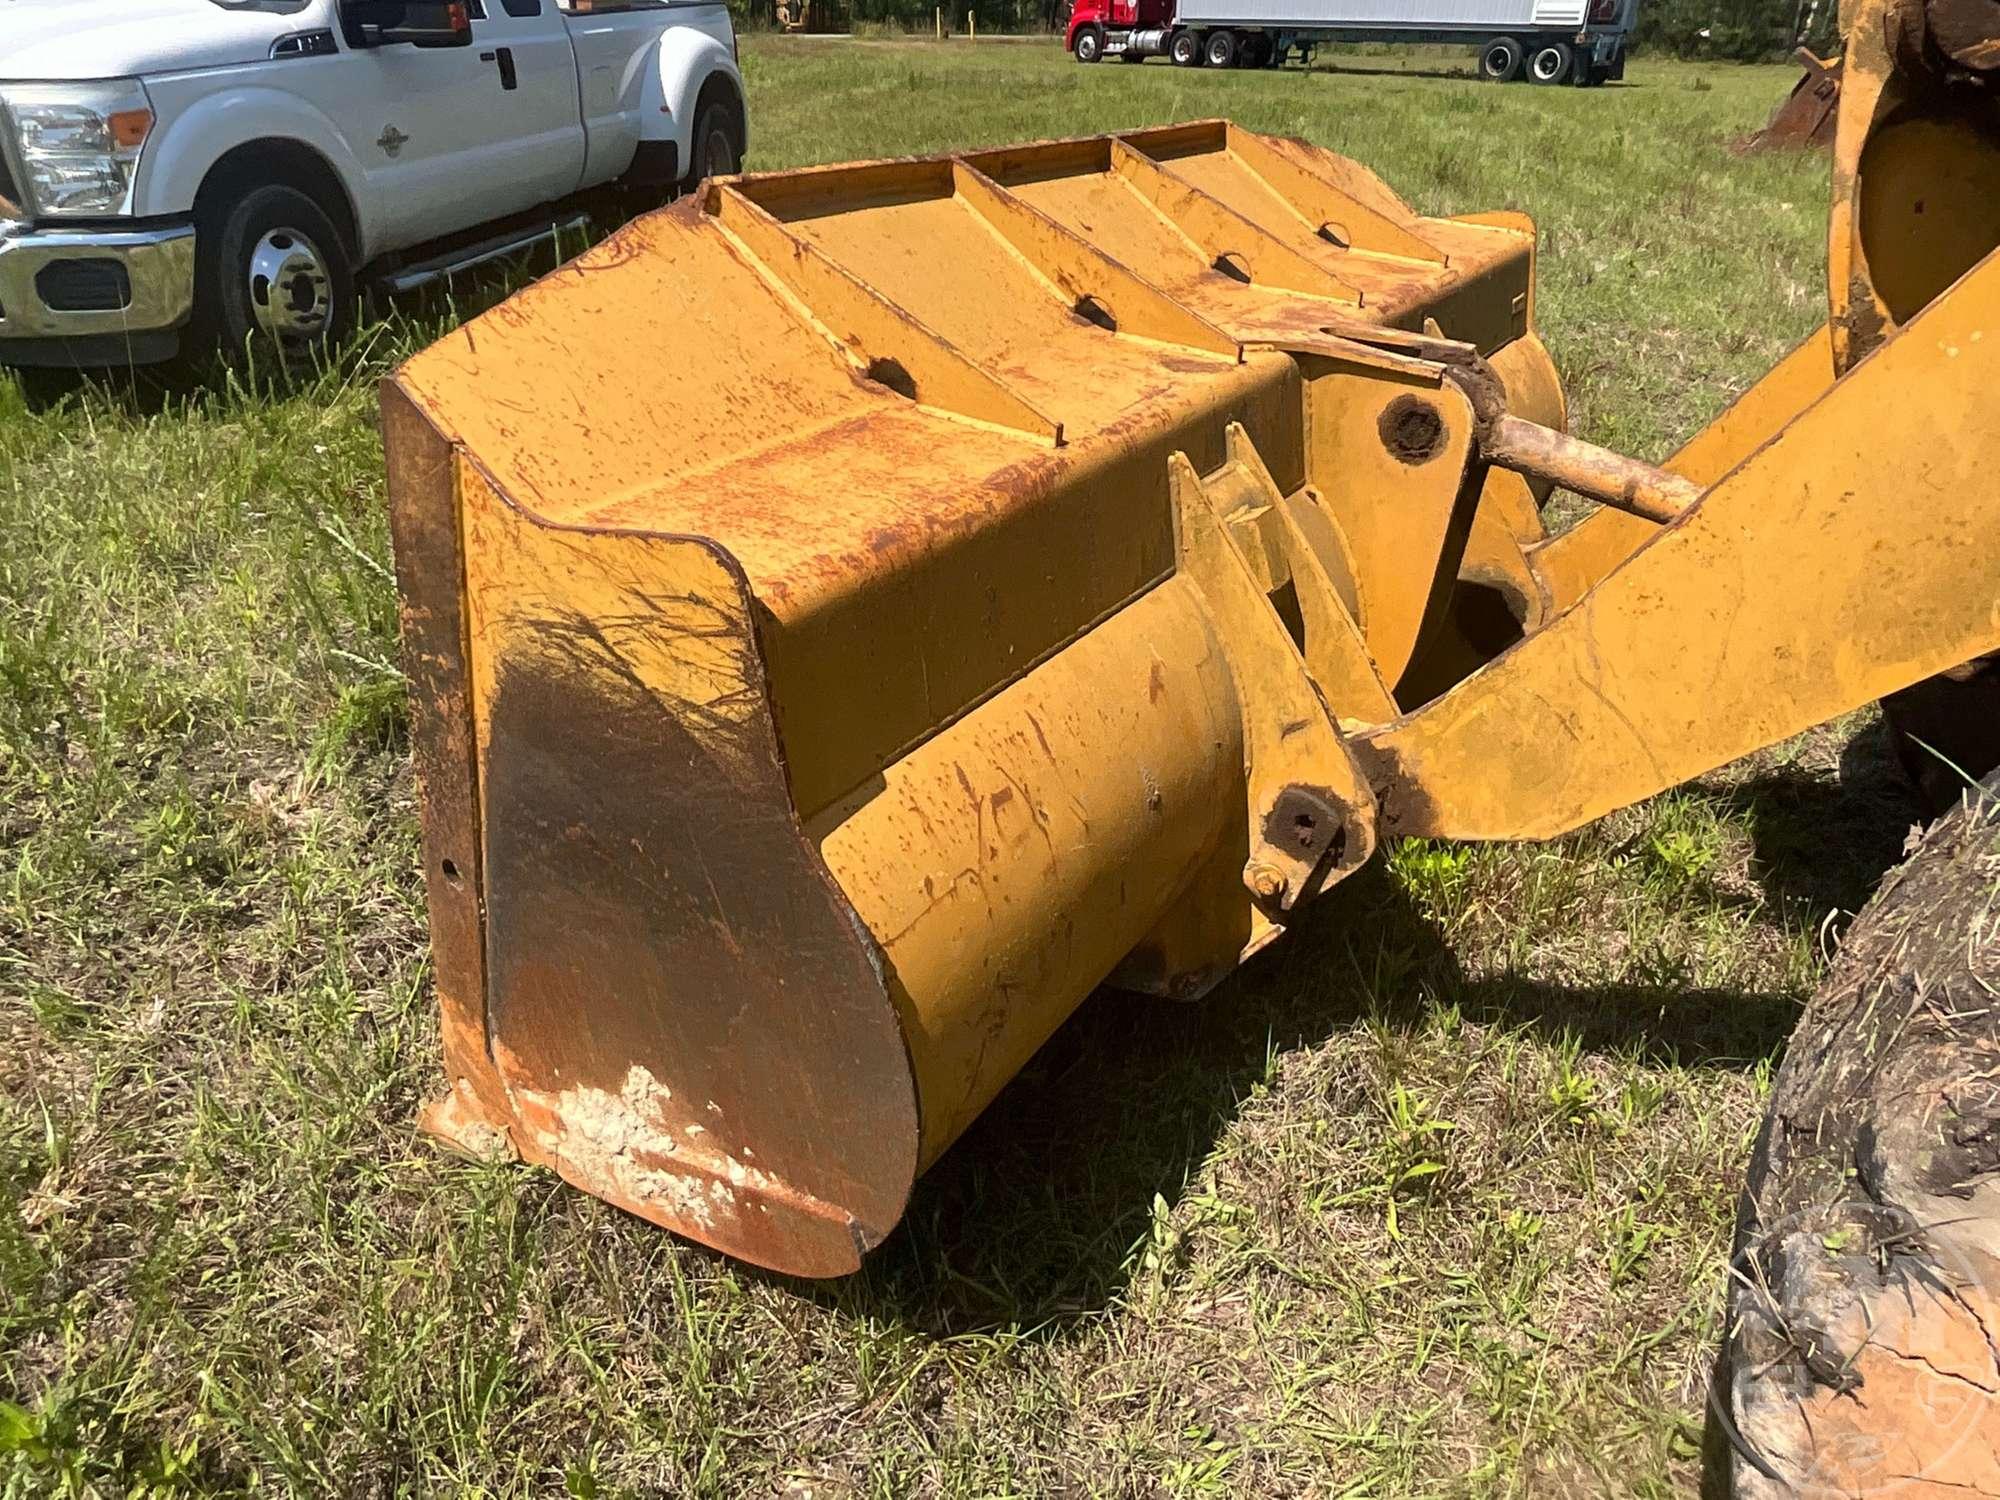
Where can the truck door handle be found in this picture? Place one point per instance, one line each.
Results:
(504, 56)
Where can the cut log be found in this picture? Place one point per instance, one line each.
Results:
(1862, 1352)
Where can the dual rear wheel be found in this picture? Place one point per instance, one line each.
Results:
(1221, 49)
(1504, 59)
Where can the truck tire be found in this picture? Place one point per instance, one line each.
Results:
(1551, 63)
(1090, 44)
(1856, 1355)
(717, 149)
(274, 277)
(1501, 61)
(1185, 49)
(1220, 50)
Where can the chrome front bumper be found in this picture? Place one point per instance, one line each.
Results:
(157, 289)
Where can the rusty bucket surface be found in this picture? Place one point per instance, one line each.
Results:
(858, 611)
(841, 624)
(1810, 112)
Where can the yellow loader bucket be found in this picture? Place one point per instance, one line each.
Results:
(855, 613)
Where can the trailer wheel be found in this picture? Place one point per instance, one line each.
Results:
(1551, 64)
(1501, 61)
(1185, 49)
(1090, 44)
(1220, 49)
(1257, 50)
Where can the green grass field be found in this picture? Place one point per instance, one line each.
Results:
(1434, 1200)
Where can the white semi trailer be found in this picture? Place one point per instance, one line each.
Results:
(1545, 41)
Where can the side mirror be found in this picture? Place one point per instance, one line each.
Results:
(417, 23)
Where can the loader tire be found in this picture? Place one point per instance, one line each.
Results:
(1501, 61)
(1090, 44)
(1859, 1353)
(1221, 49)
(1185, 49)
(1551, 63)
(1946, 730)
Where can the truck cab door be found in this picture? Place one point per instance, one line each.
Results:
(615, 42)
(534, 130)
(452, 137)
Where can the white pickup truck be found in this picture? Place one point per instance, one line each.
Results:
(234, 170)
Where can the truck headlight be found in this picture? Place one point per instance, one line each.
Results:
(77, 144)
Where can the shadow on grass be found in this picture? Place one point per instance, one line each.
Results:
(1359, 69)
(1826, 844)
(1031, 1219)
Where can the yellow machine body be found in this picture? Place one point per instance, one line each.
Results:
(856, 612)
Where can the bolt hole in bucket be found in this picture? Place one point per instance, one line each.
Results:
(1336, 235)
(1412, 430)
(1232, 265)
(1091, 310)
(890, 373)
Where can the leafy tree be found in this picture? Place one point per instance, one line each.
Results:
(1736, 30)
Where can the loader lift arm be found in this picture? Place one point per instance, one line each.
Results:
(1060, 564)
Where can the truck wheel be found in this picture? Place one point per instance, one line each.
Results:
(718, 141)
(1551, 64)
(274, 274)
(1501, 61)
(1090, 44)
(1221, 49)
(1185, 49)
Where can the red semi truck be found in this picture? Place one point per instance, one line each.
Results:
(1545, 41)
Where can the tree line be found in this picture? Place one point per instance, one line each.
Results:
(1737, 30)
